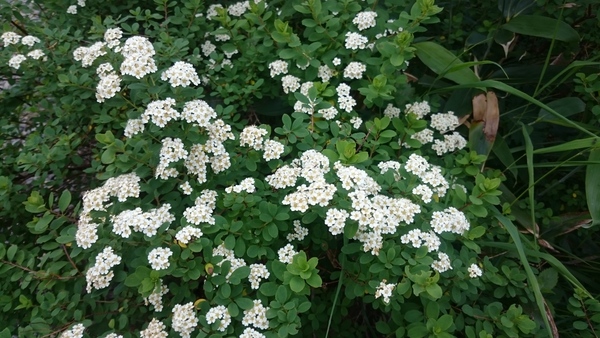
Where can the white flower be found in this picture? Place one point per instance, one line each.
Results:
(290, 83)
(444, 122)
(256, 316)
(391, 111)
(286, 254)
(181, 74)
(258, 272)
(475, 271)
(184, 319)
(420, 109)
(155, 329)
(159, 258)
(155, 297)
(208, 47)
(385, 290)
(108, 87)
(278, 67)
(10, 38)
(273, 150)
(251, 333)
(75, 332)
(356, 122)
(72, 9)
(100, 275)
(16, 60)
(355, 41)
(219, 312)
(299, 232)
(336, 61)
(335, 220)
(354, 70)
(364, 20)
(442, 264)
(30, 40)
(186, 234)
(36, 54)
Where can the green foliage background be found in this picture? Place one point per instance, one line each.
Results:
(537, 242)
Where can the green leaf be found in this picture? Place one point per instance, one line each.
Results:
(571, 145)
(543, 27)
(297, 284)
(315, 280)
(592, 186)
(441, 61)
(10, 253)
(64, 200)
(548, 279)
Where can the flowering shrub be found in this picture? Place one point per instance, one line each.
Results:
(264, 169)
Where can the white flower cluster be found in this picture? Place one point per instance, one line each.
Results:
(201, 212)
(113, 335)
(186, 188)
(184, 319)
(252, 137)
(87, 55)
(73, 8)
(238, 8)
(212, 11)
(449, 220)
(258, 272)
(198, 112)
(356, 122)
(290, 83)
(228, 256)
(278, 67)
(328, 113)
(424, 192)
(246, 185)
(172, 150)
(160, 112)
(122, 187)
(112, 37)
(251, 333)
(420, 109)
(299, 232)
(376, 214)
(109, 84)
(442, 264)
(75, 332)
(325, 73)
(355, 41)
(427, 173)
(475, 271)
(286, 254)
(100, 275)
(216, 313)
(444, 122)
(155, 329)
(155, 297)
(390, 165)
(385, 290)
(138, 53)
(345, 101)
(159, 258)
(186, 234)
(181, 74)
(450, 143)
(30, 40)
(145, 222)
(16, 60)
(424, 136)
(335, 220)
(354, 70)
(312, 166)
(391, 111)
(256, 316)
(364, 20)
(418, 238)
(10, 38)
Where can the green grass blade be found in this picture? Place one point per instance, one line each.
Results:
(543, 27)
(532, 280)
(592, 186)
(531, 174)
(571, 145)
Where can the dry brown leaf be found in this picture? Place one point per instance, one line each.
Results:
(479, 107)
(492, 117)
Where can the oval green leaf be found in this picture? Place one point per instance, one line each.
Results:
(543, 27)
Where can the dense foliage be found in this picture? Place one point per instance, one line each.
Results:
(299, 168)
